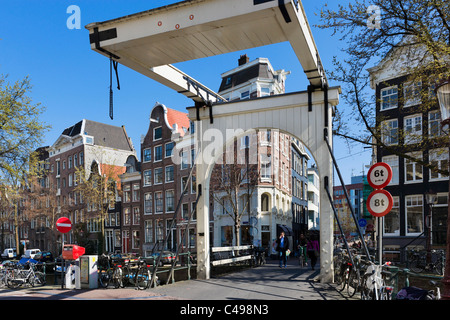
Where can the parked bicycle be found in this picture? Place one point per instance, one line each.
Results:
(105, 270)
(373, 283)
(259, 256)
(418, 261)
(136, 272)
(18, 275)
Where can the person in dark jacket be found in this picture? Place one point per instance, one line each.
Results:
(282, 247)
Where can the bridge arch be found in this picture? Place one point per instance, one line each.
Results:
(295, 114)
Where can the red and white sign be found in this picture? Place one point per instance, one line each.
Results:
(379, 175)
(63, 225)
(379, 203)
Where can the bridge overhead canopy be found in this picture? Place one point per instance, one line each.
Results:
(150, 41)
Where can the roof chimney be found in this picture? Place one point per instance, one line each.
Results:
(243, 59)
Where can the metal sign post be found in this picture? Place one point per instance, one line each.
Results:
(379, 202)
(63, 225)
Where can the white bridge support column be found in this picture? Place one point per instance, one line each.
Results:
(288, 113)
(203, 241)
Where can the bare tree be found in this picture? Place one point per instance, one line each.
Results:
(416, 30)
(233, 185)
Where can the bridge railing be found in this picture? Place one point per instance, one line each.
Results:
(229, 255)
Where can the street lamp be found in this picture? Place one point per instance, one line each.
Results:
(443, 96)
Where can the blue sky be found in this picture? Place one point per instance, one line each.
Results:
(72, 81)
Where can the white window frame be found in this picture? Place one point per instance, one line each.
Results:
(441, 157)
(385, 127)
(434, 119)
(393, 162)
(390, 104)
(415, 166)
(415, 201)
(143, 155)
(412, 127)
(411, 93)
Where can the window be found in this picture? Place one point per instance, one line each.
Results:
(157, 133)
(159, 202)
(413, 170)
(169, 174)
(147, 155)
(266, 167)
(193, 184)
(389, 131)
(70, 162)
(170, 201)
(126, 193)
(414, 214)
(392, 161)
(265, 202)
(126, 216)
(169, 148)
(158, 175)
(183, 184)
(411, 93)
(245, 142)
(148, 229)
(192, 127)
(392, 220)
(184, 160)
(413, 128)
(148, 177)
(389, 98)
(245, 95)
(265, 91)
(148, 203)
(136, 216)
(185, 211)
(434, 124)
(135, 239)
(136, 192)
(438, 158)
(158, 153)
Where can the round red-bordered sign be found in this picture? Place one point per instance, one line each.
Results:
(63, 225)
(379, 203)
(379, 175)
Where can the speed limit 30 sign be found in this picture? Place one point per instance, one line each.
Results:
(379, 203)
(379, 175)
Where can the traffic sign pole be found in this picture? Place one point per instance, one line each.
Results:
(63, 225)
(379, 202)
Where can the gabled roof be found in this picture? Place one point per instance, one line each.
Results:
(105, 135)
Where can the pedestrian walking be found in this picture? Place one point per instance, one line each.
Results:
(312, 248)
(282, 247)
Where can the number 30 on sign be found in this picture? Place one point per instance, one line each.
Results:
(379, 203)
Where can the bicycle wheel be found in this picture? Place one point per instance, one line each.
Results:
(126, 275)
(342, 279)
(416, 264)
(143, 278)
(39, 278)
(105, 277)
(439, 268)
(353, 283)
(117, 278)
